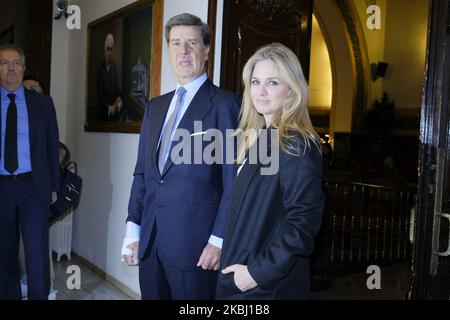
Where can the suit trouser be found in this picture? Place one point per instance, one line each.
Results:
(20, 206)
(159, 279)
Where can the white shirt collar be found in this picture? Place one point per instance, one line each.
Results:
(194, 85)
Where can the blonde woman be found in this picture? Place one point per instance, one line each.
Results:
(274, 218)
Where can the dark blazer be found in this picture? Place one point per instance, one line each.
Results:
(271, 228)
(108, 88)
(44, 148)
(188, 202)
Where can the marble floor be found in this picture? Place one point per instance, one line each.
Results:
(93, 286)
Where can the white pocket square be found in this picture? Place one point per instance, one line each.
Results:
(197, 133)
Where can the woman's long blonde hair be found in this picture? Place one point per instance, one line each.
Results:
(293, 116)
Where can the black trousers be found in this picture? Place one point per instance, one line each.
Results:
(20, 207)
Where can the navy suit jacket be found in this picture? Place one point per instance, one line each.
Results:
(44, 149)
(187, 202)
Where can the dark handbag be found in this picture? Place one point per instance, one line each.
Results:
(68, 194)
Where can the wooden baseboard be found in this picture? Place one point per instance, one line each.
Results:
(113, 281)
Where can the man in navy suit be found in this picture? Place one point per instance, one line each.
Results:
(177, 212)
(29, 177)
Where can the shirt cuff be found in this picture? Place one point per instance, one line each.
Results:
(133, 230)
(216, 241)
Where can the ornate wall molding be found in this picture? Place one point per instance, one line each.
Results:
(360, 96)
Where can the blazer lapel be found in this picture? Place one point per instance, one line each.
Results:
(157, 116)
(242, 182)
(240, 187)
(197, 110)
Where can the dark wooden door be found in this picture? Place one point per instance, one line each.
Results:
(250, 24)
(40, 46)
(431, 260)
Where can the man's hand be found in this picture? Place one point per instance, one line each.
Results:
(118, 104)
(132, 260)
(54, 197)
(210, 258)
(242, 277)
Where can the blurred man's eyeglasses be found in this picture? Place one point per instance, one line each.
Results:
(109, 48)
(14, 63)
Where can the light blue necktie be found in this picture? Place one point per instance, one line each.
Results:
(165, 140)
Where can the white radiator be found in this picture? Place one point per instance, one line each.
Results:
(61, 237)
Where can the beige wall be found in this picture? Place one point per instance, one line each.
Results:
(401, 42)
(405, 51)
(374, 40)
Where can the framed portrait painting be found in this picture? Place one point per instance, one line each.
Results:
(123, 66)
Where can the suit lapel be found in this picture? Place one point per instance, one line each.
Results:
(242, 182)
(33, 112)
(157, 115)
(197, 110)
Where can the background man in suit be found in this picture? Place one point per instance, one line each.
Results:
(108, 89)
(29, 172)
(33, 84)
(177, 213)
